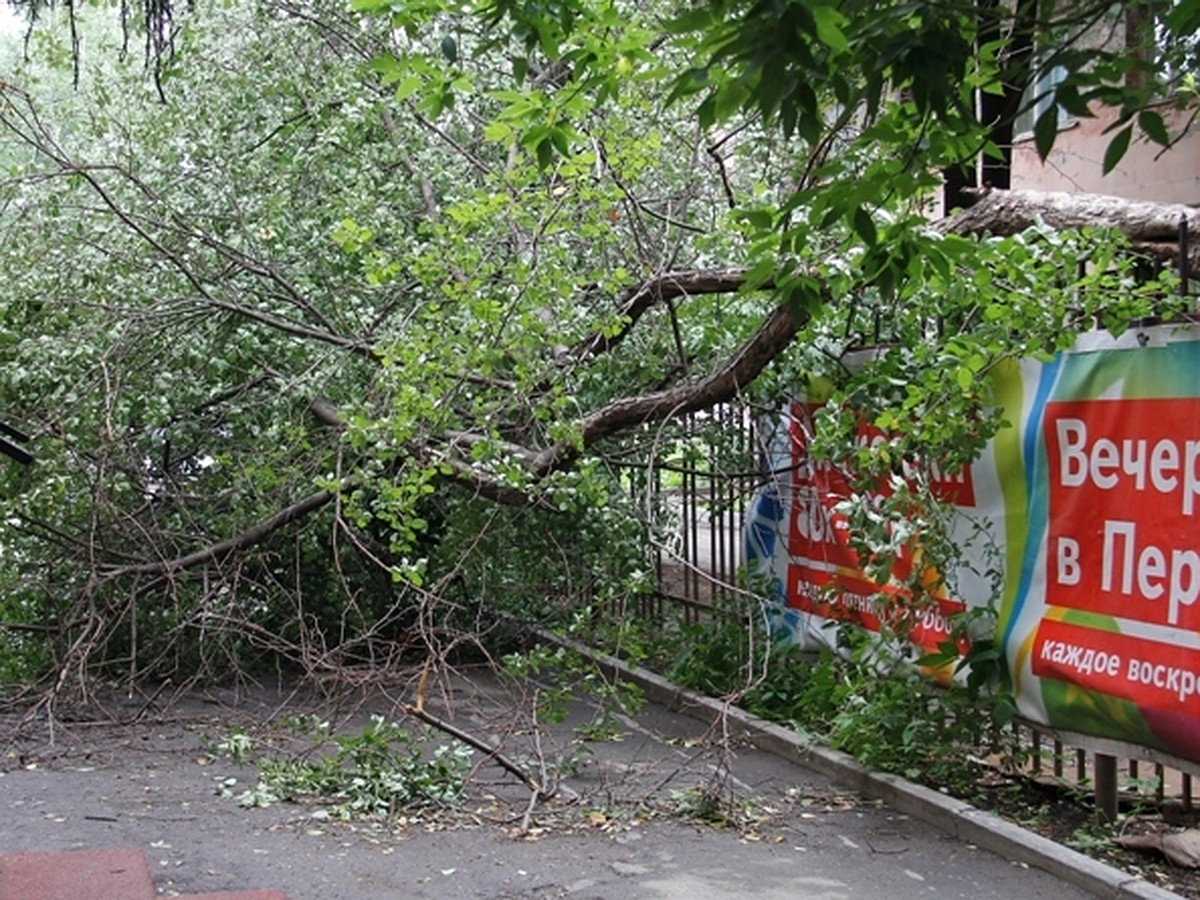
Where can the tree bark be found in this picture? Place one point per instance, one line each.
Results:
(636, 301)
(1151, 227)
(771, 339)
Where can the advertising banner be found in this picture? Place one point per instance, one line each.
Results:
(1078, 525)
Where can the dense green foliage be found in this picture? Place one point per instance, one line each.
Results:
(878, 708)
(350, 329)
(379, 772)
(279, 234)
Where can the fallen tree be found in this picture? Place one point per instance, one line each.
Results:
(320, 373)
(1152, 228)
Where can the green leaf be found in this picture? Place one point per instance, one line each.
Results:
(1045, 130)
(829, 28)
(1067, 96)
(497, 132)
(760, 273)
(761, 219)
(864, 226)
(1152, 123)
(561, 142)
(1184, 18)
(802, 300)
(728, 99)
(385, 65)
(534, 136)
(545, 153)
(408, 87)
(1116, 148)
(697, 19)
(520, 68)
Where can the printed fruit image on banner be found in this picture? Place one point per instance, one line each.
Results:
(1104, 634)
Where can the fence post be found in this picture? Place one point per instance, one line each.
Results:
(1104, 768)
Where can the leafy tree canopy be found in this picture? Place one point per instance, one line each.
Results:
(348, 327)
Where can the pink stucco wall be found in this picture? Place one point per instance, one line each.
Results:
(1146, 172)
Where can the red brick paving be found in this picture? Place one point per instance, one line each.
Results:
(114, 874)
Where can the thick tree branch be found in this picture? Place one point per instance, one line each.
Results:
(256, 534)
(1151, 227)
(771, 339)
(636, 301)
(489, 488)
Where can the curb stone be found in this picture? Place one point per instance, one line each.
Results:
(959, 818)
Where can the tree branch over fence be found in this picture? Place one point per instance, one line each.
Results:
(1150, 227)
(999, 212)
(638, 300)
(771, 339)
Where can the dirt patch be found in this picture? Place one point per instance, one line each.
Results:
(1066, 814)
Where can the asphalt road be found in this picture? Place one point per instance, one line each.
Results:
(620, 826)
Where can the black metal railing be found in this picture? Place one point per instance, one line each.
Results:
(10, 443)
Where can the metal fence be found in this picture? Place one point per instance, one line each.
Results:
(699, 572)
(1119, 775)
(705, 484)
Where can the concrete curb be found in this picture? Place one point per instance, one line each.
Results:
(957, 817)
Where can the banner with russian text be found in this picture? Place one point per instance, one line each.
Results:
(1079, 528)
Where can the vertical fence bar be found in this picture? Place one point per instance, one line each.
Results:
(692, 571)
(685, 525)
(725, 504)
(733, 442)
(1105, 769)
(746, 464)
(725, 479)
(685, 512)
(685, 515)
(658, 502)
(714, 501)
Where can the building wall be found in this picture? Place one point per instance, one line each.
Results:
(1145, 173)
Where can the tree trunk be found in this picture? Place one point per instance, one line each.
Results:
(1151, 227)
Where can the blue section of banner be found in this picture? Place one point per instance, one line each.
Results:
(1037, 499)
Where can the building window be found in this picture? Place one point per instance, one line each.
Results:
(1039, 97)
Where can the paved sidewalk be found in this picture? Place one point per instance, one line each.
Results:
(610, 833)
